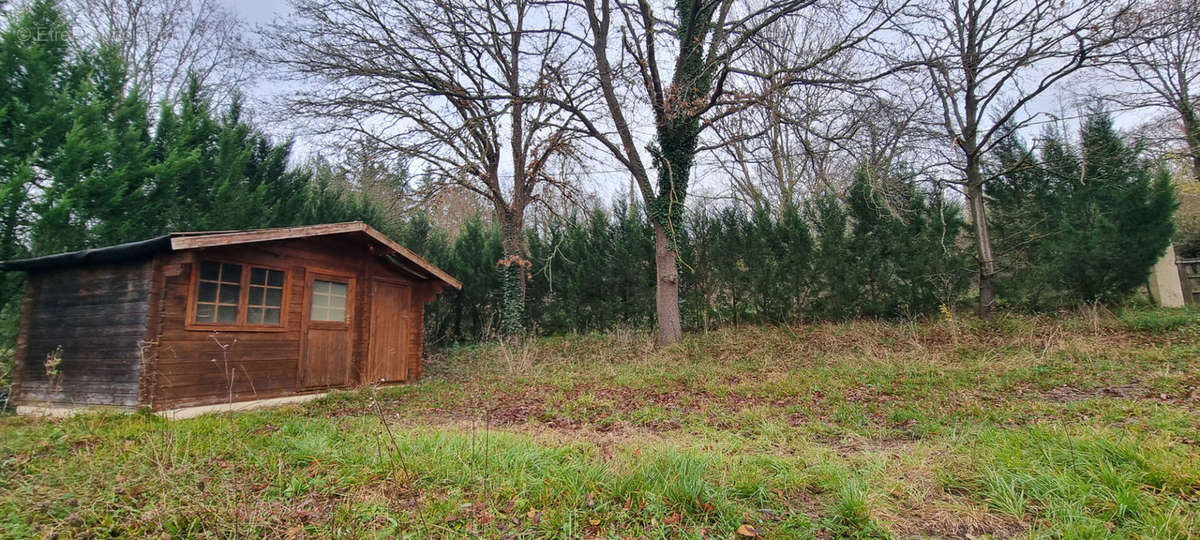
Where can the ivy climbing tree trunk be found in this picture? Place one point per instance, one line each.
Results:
(1191, 131)
(512, 270)
(706, 40)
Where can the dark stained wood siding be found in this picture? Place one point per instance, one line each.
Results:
(98, 315)
(197, 366)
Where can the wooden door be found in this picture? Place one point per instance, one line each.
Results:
(328, 318)
(390, 309)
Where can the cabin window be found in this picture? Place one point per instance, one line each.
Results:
(220, 299)
(265, 302)
(328, 301)
(217, 293)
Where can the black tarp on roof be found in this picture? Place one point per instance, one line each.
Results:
(110, 254)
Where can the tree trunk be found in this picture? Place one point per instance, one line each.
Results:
(1191, 135)
(666, 289)
(983, 239)
(512, 277)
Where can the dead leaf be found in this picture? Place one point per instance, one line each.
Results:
(747, 530)
(672, 518)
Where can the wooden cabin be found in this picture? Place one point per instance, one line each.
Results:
(205, 318)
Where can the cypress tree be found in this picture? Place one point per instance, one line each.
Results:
(904, 246)
(98, 176)
(835, 266)
(1081, 225)
(1118, 217)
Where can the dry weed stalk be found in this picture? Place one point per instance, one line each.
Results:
(395, 453)
(227, 372)
(517, 355)
(53, 373)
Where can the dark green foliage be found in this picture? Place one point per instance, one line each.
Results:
(1079, 225)
(40, 83)
(837, 297)
(95, 192)
(328, 199)
(903, 250)
(217, 172)
(81, 169)
(593, 270)
(677, 119)
(1118, 220)
(1024, 210)
(471, 314)
(746, 267)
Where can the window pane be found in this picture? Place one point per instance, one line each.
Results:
(254, 315)
(258, 276)
(256, 296)
(210, 271)
(207, 292)
(328, 301)
(274, 297)
(271, 315)
(205, 313)
(275, 278)
(231, 272)
(227, 314)
(229, 293)
(333, 314)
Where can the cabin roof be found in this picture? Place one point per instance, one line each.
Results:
(180, 241)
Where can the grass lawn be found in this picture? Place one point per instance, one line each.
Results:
(1063, 427)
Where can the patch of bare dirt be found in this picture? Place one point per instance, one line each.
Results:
(849, 446)
(925, 522)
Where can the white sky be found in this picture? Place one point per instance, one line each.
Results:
(258, 11)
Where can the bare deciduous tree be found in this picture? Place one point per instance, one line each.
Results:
(684, 62)
(988, 60)
(803, 139)
(446, 84)
(1162, 70)
(164, 41)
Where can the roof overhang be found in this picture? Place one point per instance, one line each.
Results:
(201, 240)
(130, 251)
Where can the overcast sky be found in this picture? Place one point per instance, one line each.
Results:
(261, 12)
(257, 11)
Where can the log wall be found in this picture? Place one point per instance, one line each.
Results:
(91, 318)
(193, 365)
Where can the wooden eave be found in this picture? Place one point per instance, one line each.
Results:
(198, 241)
